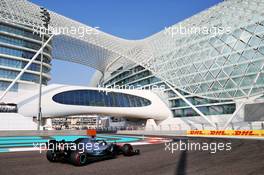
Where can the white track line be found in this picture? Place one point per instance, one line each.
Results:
(22, 149)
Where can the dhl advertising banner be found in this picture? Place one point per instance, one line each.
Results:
(253, 133)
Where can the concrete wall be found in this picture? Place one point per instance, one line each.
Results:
(254, 112)
(13, 121)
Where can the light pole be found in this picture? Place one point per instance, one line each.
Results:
(45, 17)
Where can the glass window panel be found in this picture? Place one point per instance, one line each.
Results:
(92, 96)
(215, 110)
(86, 97)
(239, 45)
(106, 99)
(178, 113)
(126, 101)
(229, 108)
(204, 110)
(254, 41)
(95, 98)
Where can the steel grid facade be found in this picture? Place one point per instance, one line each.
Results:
(222, 66)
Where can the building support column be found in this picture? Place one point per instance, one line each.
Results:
(151, 125)
(233, 115)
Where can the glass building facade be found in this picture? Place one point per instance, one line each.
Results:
(99, 99)
(139, 77)
(18, 44)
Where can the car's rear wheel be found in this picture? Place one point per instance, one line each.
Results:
(51, 156)
(78, 159)
(127, 150)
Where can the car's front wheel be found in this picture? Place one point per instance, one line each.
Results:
(51, 156)
(127, 150)
(78, 159)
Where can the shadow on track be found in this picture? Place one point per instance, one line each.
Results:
(182, 164)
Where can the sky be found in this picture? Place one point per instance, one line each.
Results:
(129, 19)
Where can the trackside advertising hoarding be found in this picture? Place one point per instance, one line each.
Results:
(247, 133)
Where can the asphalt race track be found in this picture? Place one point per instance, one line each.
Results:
(245, 157)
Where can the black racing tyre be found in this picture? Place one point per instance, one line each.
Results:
(51, 156)
(127, 150)
(78, 159)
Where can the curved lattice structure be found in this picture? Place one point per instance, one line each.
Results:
(223, 66)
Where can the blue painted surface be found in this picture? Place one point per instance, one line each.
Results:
(25, 141)
(68, 138)
(19, 145)
(4, 150)
(22, 141)
(20, 138)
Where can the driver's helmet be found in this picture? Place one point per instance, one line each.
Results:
(93, 139)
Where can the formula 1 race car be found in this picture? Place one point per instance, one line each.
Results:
(86, 150)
